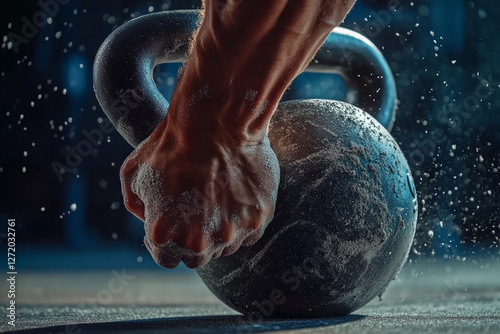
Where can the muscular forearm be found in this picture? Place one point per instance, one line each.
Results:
(205, 182)
(235, 78)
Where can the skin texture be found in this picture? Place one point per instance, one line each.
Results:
(215, 176)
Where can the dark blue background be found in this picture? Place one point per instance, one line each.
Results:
(444, 58)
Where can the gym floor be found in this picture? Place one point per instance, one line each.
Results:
(432, 297)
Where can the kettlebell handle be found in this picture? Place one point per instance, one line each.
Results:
(124, 64)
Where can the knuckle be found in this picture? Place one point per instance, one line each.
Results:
(127, 170)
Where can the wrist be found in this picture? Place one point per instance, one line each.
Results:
(207, 125)
(202, 110)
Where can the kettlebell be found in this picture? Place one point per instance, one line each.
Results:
(347, 207)
(125, 62)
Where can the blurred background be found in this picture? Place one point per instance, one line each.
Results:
(444, 56)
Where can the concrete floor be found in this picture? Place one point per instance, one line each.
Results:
(445, 297)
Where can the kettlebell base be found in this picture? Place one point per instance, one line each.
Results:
(344, 222)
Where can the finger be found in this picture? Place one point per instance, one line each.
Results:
(191, 239)
(165, 256)
(194, 261)
(234, 245)
(252, 238)
(132, 202)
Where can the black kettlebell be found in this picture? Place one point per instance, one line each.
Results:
(346, 210)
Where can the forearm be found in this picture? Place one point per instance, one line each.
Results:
(206, 181)
(245, 56)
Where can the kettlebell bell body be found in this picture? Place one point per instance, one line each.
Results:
(344, 221)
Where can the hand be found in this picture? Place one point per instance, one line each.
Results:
(206, 180)
(202, 200)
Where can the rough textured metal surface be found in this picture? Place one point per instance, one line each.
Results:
(344, 222)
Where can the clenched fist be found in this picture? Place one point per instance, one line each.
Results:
(205, 182)
(200, 201)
